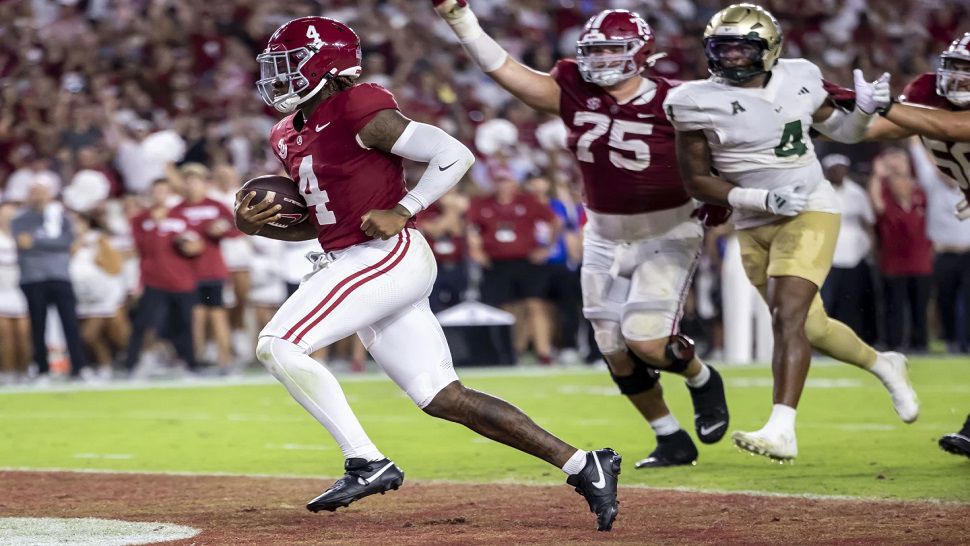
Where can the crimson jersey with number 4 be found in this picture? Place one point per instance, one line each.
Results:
(952, 158)
(625, 151)
(340, 179)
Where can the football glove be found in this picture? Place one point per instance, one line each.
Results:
(786, 201)
(963, 210)
(871, 97)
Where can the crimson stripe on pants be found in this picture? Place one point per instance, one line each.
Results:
(340, 285)
(355, 286)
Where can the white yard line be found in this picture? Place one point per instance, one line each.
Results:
(699, 491)
(259, 378)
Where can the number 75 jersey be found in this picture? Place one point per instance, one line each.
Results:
(625, 151)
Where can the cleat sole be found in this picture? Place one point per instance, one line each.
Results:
(752, 449)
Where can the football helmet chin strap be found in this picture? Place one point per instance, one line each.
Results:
(289, 104)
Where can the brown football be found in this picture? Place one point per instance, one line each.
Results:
(284, 192)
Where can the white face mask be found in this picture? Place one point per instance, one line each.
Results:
(606, 69)
(953, 83)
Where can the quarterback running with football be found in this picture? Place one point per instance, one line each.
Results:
(742, 140)
(343, 144)
(937, 108)
(643, 240)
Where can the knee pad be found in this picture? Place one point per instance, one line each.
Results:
(263, 351)
(679, 352)
(269, 350)
(642, 379)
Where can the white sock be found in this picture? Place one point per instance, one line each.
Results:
(317, 390)
(701, 378)
(782, 418)
(881, 368)
(665, 426)
(575, 463)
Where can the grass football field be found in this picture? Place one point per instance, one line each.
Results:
(850, 441)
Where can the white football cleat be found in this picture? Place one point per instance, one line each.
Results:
(905, 401)
(778, 446)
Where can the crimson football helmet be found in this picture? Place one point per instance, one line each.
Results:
(302, 56)
(615, 45)
(953, 75)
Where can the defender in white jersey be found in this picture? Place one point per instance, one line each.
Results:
(748, 125)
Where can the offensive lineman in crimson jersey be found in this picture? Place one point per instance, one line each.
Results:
(343, 145)
(936, 106)
(642, 242)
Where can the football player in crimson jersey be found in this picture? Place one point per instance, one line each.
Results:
(937, 108)
(343, 144)
(642, 242)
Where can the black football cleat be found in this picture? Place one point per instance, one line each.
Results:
(675, 449)
(710, 409)
(957, 443)
(362, 478)
(597, 482)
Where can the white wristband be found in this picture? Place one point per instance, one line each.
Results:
(412, 203)
(485, 51)
(749, 198)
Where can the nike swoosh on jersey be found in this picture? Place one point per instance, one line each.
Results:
(707, 430)
(600, 483)
(324, 126)
(448, 167)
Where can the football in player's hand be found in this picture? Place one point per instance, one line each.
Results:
(281, 191)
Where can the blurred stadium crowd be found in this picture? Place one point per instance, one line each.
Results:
(114, 113)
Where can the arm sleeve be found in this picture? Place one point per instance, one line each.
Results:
(845, 127)
(447, 160)
(683, 112)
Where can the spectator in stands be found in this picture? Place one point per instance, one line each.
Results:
(212, 221)
(268, 285)
(951, 242)
(443, 223)
(166, 247)
(14, 325)
(142, 153)
(565, 296)
(848, 291)
(37, 170)
(905, 252)
(100, 290)
(44, 235)
(502, 240)
(237, 251)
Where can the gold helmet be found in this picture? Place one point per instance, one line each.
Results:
(744, 28)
